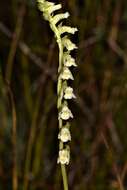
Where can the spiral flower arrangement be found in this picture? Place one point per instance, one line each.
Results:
(64, 91)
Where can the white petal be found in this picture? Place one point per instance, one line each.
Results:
(44, 5)
(68, 29)
(64, 135)
(54, 8)
(66, 74)
(59, 17)
(68, 44)
(64, 156)
(65, 113)
(69, 60)
(69, 93)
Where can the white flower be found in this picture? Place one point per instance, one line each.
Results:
(65, 113)
(60, 16)
(64, 156)
(68, 29)
(68, 94)
(66, 74)
(68, 44)
(64, 135)
(53, 8)
(69, 60)
(45, 5)
(48, 8)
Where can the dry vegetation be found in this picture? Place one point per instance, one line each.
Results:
(28, 113)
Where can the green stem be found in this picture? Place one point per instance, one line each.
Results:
(64, 175)
(63, 168)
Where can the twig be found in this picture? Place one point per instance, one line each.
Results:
(8, 74)
(121, 187)
(31, 141)
(112, 39)
(89, 42)
(14, 140)
(27, 51)
(14, 44)
(33, 125)
(123, 174)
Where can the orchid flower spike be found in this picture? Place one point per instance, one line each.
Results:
(66, 61)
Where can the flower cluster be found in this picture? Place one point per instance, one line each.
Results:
(66, 61)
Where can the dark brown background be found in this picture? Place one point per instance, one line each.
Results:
(28, 114)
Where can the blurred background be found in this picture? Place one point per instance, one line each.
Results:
(28, 113)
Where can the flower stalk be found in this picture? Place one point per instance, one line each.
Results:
(64, 92)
